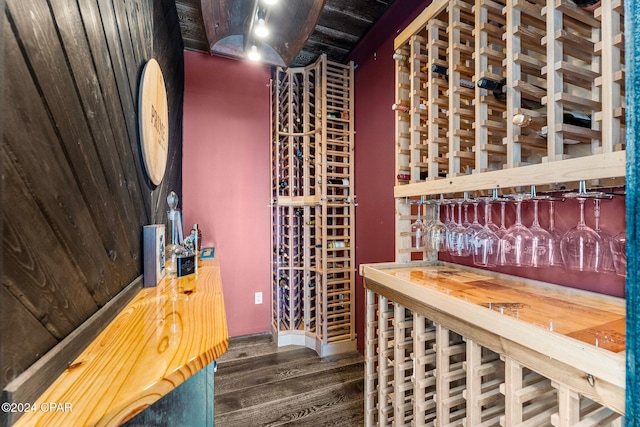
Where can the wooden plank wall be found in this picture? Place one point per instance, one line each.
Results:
(74, 191)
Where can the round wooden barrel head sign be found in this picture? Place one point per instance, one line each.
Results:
(153, 116)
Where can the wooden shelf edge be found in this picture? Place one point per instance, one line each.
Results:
(605, 365)
(598, 166)
(420, 22)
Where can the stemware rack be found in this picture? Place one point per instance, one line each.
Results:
(423, 366)
(313, 207)
(554, 58)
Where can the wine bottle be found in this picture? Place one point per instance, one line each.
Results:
(403, 177)
(400, 107)
(588, 5)
(497, 89)
(536, 123)
(400, 57)
(338, 181)
(338, 244)
(445, 72)
(526, 120)
(283, 184)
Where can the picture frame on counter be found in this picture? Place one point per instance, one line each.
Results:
(154, 241)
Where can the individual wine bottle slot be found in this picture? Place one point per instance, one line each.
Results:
(400, 57)
(284, 183)
(298, 211)
(338, 244)
(445, 72)
(537, 123)
(588, 5)
(497, 88)
(400, 107)
(299, 154)
(405, 108)
(403, 177)
(526, 120)
(338, 181)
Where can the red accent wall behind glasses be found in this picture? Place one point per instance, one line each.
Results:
(375, 143)
(226, 178)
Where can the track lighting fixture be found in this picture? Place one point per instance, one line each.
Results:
(253, 54)
(261, 29)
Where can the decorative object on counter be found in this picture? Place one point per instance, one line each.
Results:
(153, 118)
(185, 264)
(193, 242)
(207, 252)
(174, 246)
(153, 238)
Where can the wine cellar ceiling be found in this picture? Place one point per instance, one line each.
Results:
(340, 26)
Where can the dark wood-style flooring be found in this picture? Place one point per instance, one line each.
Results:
(259, 384)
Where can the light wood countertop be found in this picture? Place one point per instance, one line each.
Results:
(160, 339)
(580, 329)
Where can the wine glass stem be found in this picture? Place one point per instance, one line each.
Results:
(551, 216)
(518, 217)
(596, 214)
(487, 214)
(503, 206)
(535, 213)
(582, 222)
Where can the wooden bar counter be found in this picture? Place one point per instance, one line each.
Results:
(163, 337)
(574, 338)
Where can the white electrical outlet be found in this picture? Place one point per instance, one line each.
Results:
(258, 297)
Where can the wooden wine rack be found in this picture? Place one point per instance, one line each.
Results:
(313, 207)
(432, 363)
(437, 353)
(555, 60)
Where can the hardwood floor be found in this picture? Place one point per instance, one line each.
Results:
(259, 384)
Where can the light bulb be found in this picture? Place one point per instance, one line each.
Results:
(261, 29)
(254, 55)
(270, 2)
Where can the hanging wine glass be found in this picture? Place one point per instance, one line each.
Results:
(449, 224)
(418, 230)
(518, 240)
(437, 232)
(542, 242)
(485, 243)
(555, 256)
(579, 246)
(459, 246)
(474, 228)
(604, 263)
(618, 245)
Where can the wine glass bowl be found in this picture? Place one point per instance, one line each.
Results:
(517, 243)
(618, 245)
(579, 246)
(437, 233)
(485, 243)
(542, 243)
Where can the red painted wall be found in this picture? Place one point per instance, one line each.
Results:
(226, 178)
(375, 143)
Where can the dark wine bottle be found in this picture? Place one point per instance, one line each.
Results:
(445, 72)
(538, 122)
(284, 183)
(497, 88)
(338, 181)
(588, 5)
